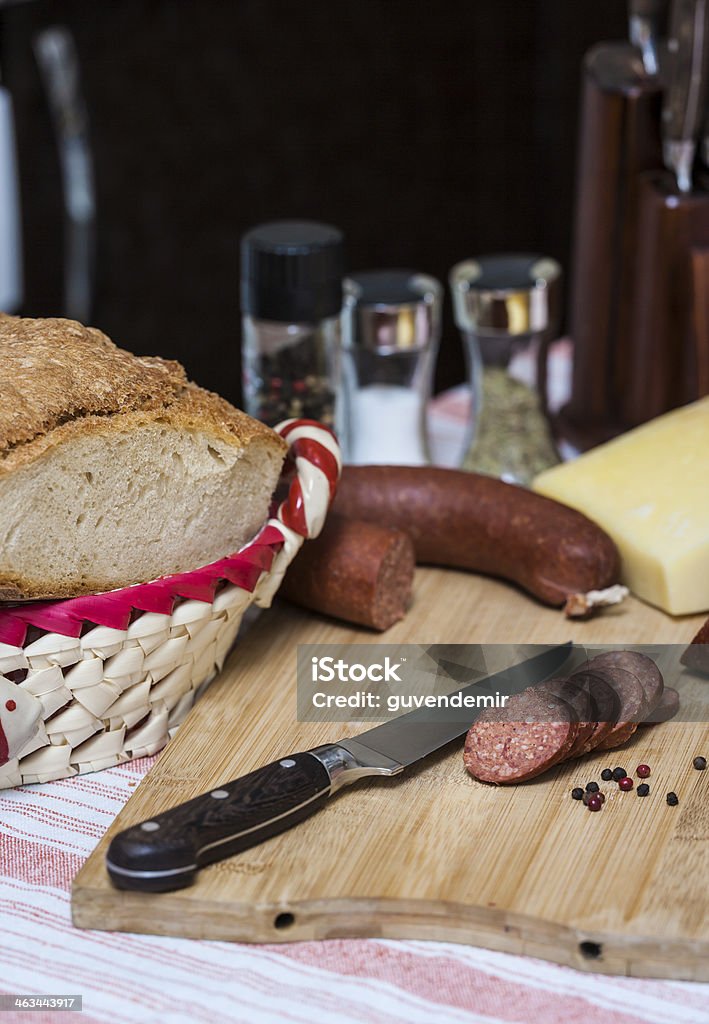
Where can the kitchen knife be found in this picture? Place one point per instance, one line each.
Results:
(644, 18)
(58, 62)
(166, 852)
(685, 89)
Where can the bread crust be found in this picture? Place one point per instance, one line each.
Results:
(59, 379)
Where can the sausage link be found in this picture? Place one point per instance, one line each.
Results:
(354, 570)
(471, 521)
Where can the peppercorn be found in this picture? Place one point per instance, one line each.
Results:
(606, 774)
(577, 793)
(592, 787)
(625, 783)
(643, 771)
(594, 802)
(619, 773)
(700, 763)
(643, 789)
(601, 796)
(672, 799)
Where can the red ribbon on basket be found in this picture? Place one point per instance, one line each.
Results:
(311, 446)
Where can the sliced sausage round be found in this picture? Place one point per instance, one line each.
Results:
(605, 705)
(632, 705)
(666, 709)
(641, 666)
(579, 700)
(534, 732)
(618, 736)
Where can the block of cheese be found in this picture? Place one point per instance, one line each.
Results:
(649, 489)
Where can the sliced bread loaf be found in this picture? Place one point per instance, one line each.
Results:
(115, 469)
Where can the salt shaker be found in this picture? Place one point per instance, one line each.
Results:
(506, 306)
(391, 330)
(291, 298)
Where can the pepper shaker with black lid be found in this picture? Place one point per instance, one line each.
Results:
(291, 298)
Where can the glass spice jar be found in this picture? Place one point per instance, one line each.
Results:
(291, 295)
(506, 308)
(391, 328)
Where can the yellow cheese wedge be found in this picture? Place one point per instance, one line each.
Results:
(649, 489)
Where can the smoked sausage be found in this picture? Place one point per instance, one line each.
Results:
(471, 521)
(358, 571)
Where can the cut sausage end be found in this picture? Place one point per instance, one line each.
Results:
(355, 570)
(392, 593)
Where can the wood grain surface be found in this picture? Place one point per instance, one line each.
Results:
(435, 854)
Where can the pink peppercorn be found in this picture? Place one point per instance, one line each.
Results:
(625, 784)
(643, 771)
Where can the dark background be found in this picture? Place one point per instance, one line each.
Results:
(428, 131)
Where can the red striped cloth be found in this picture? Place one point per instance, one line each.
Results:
(47, 831)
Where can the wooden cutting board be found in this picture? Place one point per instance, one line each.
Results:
(436, 854)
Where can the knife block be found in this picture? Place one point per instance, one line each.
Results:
(666, 339)
(619, 139)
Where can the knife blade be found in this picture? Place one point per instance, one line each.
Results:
(687, 51)
(644, 26)
(166, 852)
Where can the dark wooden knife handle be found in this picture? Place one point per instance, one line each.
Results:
(166, 852)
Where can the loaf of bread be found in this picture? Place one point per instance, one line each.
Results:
(115, 469)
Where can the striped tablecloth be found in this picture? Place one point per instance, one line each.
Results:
(47, 831)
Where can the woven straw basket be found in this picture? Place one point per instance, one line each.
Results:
(90, 682)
